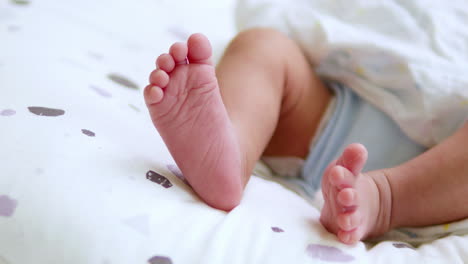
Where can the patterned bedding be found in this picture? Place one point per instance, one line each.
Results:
(85, 178)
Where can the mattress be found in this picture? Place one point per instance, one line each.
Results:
(85, 177)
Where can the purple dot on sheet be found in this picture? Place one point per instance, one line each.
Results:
(178, 32)
(402, 245)
(7, 206)
(117, 78)
(100, 91)
(87, 132)
(139, 223)
(158, 178)
(76, 64)
(7, 112)
(95, 55)
(45, 111)
(327, 253)
(277, 229)
(176, 171)
(159, 260)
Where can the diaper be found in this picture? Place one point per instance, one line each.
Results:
(348, 119)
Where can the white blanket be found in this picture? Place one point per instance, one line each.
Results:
(409, 58)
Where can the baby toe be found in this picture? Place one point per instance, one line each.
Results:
(153, 94)
(165, 62)
(159, 78)
(349, 221)
(341, 178)
(347, 197)
(179, 52)
(350, 237)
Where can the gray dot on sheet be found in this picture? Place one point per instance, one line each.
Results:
(277, 229)
(117, 78)
(7, 112)
(159, 260)
(45, 111)
(3, 260)
(134, 107)
(87, 132)
(100, 91)
(327, 253)
(13, 28)
(39, 171)
(20, 2)
(402, 245)
(158, 178)
(408, 233)
(7, 206)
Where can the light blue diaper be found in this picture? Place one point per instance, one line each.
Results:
(355, 120)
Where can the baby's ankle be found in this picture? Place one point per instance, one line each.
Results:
(385, 220)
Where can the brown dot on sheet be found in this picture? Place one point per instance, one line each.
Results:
(7, 206)
(159, 260)
(277, 229)
(158, 178)
(45, 111)
(89, 133)
(402, 245)
(117, 78)
(100, 91)
(7, 112)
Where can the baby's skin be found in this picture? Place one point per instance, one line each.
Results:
(217, 133)
(186, 107)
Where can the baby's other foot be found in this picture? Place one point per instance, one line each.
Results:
(185, 104)
(355, 207)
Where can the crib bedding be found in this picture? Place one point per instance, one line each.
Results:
(85, 177)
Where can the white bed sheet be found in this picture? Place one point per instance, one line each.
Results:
(77, 146)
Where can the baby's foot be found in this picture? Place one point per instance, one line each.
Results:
(356, 206)
(185, 104)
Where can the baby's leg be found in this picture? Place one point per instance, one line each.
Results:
(264, 97)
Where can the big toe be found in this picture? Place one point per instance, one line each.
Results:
(199, 49)
(354, 158)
